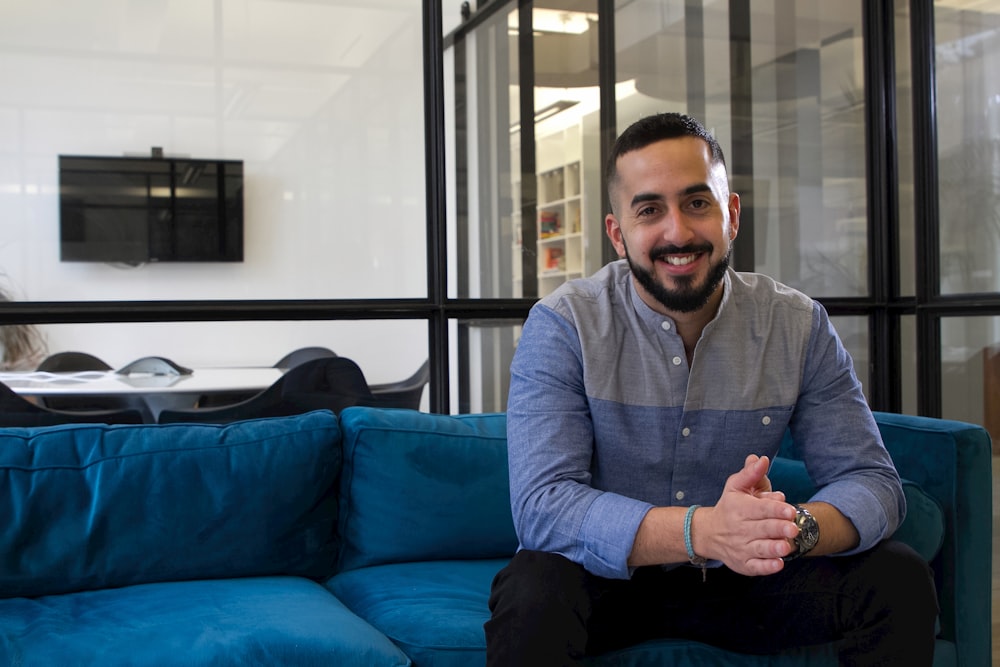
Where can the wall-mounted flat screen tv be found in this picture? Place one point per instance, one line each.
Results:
(135, 210)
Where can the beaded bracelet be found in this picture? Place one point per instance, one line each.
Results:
(692, 556)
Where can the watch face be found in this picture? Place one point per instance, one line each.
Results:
(808, 530)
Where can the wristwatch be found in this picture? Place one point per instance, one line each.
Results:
(808, 533)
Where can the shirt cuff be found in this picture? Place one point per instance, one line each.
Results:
(863, 509)
(608, 534)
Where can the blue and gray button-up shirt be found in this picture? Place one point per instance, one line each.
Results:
(606, 419)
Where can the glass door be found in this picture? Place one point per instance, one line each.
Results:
(526, 192)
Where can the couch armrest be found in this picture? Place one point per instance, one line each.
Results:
(952, 461)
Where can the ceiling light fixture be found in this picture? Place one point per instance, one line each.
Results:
(555, 20)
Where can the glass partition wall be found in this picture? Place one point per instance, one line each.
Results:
(861, 135)
(320, 101)
(827, 115)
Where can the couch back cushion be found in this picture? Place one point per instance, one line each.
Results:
(419, 486)
(94, 506)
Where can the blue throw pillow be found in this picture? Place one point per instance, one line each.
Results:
(94, 506)
(420, 486)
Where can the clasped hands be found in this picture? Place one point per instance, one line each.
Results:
(751, 527)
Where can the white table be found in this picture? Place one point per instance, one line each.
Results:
(159, 391)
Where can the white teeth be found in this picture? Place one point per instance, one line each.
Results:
(680, 261)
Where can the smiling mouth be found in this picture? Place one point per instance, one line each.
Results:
(680, 255)
(683, 260)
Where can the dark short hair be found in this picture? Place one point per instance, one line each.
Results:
(658, 127)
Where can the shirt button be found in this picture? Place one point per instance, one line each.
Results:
(677, 361)
(679, 495)
(665, 326)
(765, 421)
(686, 431)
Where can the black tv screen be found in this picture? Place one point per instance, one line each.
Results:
(136, 210)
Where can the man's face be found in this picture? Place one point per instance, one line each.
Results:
(674, 220)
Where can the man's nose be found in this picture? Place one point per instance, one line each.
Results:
(676, 228)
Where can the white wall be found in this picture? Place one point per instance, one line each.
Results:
(323, 102)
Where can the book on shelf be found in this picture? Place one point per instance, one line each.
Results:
(554, 259)
(549, 223)
(575, 222)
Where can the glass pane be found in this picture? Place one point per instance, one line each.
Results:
(970, 371)
(320, 99)
(568, 225)
(387, 351)
(792, 123)
(908, 361)
(483, 90)
(968, 98)
(480, 356)
(853, 331)
(526, 217)
(904, 146)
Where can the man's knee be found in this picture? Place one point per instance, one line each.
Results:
(891, 583)
(539, 605)
(892, 605)
(535, 579)
(905, 577)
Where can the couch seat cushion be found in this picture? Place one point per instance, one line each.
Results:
(433, 610)
(91, 506)
(250, 621)
(420, 486)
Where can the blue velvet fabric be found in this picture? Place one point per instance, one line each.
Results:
(407, 494)
(420, 486)
(425, 522)
(93, 506)
(952, 461)
(433, 610)
(252, 621)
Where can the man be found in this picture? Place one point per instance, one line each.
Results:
(646, 403)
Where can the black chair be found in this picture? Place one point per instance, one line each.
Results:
(290, 360)
(16, 410)
(329, 383)
(72, 362)
(78, 362)
(303, 354)
(404, 393)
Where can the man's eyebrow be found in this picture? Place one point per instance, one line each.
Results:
(696, 188)
(643, 197)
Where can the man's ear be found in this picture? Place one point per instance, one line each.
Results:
(734, 215)
(614, 232)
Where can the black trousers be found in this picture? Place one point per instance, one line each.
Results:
(880, 605)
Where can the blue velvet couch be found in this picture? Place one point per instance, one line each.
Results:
(365, 539)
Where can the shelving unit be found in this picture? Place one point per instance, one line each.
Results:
(562, 212)
(560, 236)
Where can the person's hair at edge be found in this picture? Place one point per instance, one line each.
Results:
(651, 129)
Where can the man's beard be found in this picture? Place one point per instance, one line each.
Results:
(687, 297)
